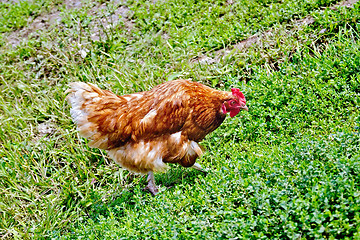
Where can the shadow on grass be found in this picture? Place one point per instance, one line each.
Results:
(131, 196)
(179, 175)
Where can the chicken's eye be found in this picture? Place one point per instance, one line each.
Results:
(232, 103)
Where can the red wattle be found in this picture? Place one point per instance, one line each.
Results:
(234, 112)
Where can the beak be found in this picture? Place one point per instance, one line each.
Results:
(244, 107)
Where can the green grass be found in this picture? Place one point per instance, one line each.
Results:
(288, 168)
(17, 14)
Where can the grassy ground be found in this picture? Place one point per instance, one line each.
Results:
(289, 168)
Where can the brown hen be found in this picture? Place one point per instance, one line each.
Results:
(145, 130)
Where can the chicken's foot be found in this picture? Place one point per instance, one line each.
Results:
(151, 187)
(199, 168)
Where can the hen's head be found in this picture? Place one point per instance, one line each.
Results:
(235, 104)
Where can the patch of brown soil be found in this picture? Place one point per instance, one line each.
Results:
(103, 20)
(347, 3)
(41, 22)
(257, 39)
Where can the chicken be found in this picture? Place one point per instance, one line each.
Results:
(144, 131)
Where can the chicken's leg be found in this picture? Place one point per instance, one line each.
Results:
(151, 187)
(198, 167)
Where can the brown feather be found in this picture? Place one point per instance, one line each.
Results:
(143, 131)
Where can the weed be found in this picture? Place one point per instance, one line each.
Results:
(287, 169)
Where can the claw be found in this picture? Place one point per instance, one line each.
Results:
(152, 190)
(151, 187)
(199, 168)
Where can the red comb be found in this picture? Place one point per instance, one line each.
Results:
(236, 92)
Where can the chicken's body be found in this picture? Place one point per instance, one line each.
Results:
(145, 130)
